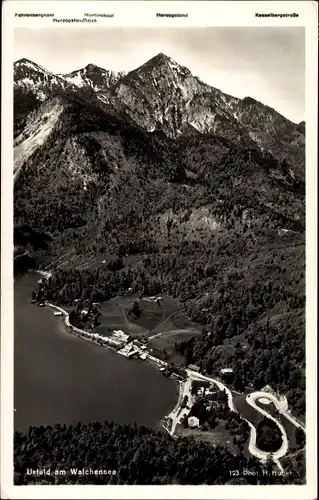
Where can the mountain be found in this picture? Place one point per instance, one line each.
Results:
(93, 76)
(162, 95)
(34, 85)
(34, 78)
(191, 192)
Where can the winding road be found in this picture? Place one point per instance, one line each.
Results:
(251, 400)
(253, 448)
(178, 413)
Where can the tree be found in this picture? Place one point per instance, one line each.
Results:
(184, 402)
(222, 396)
(238, 383)
(136, 310)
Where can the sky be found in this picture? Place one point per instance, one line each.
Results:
(265, 63)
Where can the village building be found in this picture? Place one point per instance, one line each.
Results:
(195, 368)
(128, 350)
(210, 391)
(226, 370)
(120, 335)
(193, 422)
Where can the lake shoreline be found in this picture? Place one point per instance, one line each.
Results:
(86, 335)
(59, 378)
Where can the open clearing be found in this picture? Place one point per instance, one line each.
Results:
(114, 316)
(217, 437)
(153, 314)
(154, 319)
(167, 341)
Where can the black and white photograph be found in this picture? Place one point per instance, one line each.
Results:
(159, 255)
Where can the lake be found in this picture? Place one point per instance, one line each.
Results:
(62, 378)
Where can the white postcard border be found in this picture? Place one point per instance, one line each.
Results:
(143, 13)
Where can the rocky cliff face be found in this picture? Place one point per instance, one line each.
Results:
(33, 79)
(162, 95)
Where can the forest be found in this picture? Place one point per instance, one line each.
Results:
(138, 455)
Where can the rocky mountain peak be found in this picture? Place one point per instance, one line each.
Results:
(301, 127)
(25, 62)
(93, 76)
(24, 68)
(249, 101)
(161, 64)
(91, 67)
(35, 80)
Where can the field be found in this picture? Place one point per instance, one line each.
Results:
(164, 344)
(155, 320)
(114, 316)
(154, 315)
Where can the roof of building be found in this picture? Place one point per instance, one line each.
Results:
(194, 367)
(193, 421)
(226, 370)
(120, 334)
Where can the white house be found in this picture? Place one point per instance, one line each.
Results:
(193, 422)
(194, 368)
(119, 334)
(226, 370)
